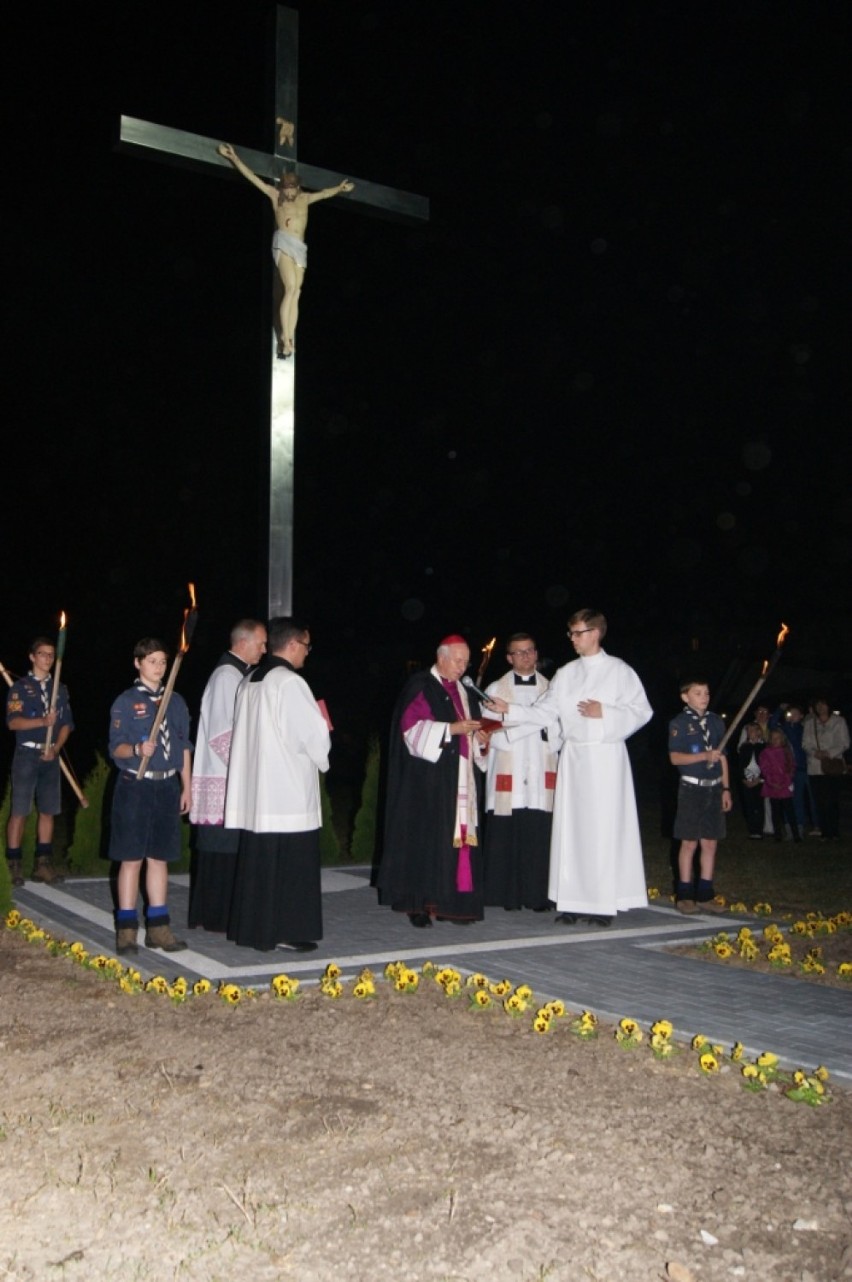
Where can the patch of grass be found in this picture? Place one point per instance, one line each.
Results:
(798, 878)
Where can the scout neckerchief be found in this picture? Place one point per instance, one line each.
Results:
(43, 684)
(701, 718)
(155, 696)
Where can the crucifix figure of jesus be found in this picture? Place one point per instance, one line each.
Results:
(290, 206)
(269, 173)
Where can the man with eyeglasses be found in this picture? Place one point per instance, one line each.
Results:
(598, 702)
(279, 746)
(519, 792)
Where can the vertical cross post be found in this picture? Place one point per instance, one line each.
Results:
(282, 425)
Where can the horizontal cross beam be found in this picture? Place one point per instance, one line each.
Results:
(142, 137)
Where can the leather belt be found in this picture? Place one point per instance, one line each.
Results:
(701, 783)
(156, 775)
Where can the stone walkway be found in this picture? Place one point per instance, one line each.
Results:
(616, 971)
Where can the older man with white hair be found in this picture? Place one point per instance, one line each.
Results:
(432, 862)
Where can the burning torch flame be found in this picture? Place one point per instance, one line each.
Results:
(782, 636)
(765, 667)
(62, 619)
(486, 658)
(189, 617)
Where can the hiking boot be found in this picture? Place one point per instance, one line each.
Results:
(16, 871)
(710, 906)
(686, 906)
(46, 873)
(161, 936)
(125, 940)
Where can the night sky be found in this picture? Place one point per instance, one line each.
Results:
(609, 371)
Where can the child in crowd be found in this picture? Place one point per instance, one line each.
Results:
(704, 796)
(146, 812)
(778, 767)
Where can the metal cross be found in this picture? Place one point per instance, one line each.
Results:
(193, 150)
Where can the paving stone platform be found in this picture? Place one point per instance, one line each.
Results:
(624, 969)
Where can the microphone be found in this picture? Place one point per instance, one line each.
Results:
(467, 682)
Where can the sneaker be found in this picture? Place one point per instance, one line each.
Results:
(710, 906)
(815, 832)
(686, 906)
(16, 872)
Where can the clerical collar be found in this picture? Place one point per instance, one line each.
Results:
(267, 663)
(233, 660)
(523, 681)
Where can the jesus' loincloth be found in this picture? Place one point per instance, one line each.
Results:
(283, 242)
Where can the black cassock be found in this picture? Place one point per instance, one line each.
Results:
(419, 860)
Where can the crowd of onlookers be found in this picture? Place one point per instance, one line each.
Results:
(790, 769)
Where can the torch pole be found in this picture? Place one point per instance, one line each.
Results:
(57, 669)
(768, 668)
(190, 618)
(752, 695)
(161, 711)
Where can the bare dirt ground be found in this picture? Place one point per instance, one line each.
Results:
(406, 1137)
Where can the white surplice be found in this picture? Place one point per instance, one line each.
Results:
(213, 744)
(596, 851)
(523, 767)
(280, 743)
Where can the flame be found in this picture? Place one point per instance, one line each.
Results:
(186, 628)
(62, 619)
(486, 649)
(763, 670)
(782, 636)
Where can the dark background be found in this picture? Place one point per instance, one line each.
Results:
(610, 371)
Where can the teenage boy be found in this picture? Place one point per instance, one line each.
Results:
(146, 812)
(35, 768)
(704, 795)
